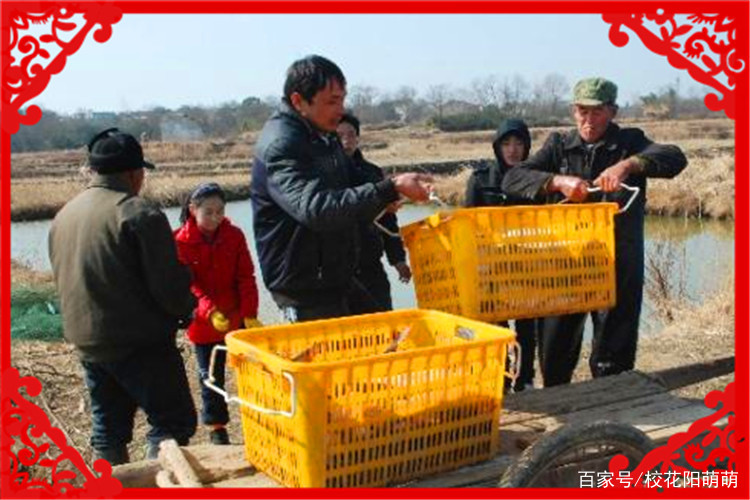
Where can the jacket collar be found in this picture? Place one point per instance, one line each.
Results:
(574, 140)
(286, 110)
(113, 182)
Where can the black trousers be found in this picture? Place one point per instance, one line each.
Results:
(527, 332)
(371, 291)
(214, 410)
(152, 378)
(615, 337)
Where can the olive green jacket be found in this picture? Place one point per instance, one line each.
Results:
(115, 264)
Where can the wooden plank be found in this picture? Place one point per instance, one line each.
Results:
(211, 463)
(172, 459)
(576, 397)
(140, 474)
(681, 376)
(660, 415)
(633, 397)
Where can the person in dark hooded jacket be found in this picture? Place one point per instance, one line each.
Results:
(511, 145)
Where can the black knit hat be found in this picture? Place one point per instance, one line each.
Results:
(112, 151)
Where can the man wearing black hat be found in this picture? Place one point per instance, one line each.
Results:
(122, 294)
(598, 153)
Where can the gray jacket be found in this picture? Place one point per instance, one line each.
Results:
(115, 264)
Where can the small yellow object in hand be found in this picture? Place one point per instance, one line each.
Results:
(219, 321)
(252, 323)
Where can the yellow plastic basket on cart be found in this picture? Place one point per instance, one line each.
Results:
(494, 264)
(369, 400)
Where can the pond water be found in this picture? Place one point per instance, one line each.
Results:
(701, 252)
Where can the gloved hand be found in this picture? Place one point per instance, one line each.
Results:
(252, 323)
(219, 321)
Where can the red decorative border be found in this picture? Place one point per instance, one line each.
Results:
(719, 444)
(26, 78)
(704, 44)
(23, 424)
(28, 74)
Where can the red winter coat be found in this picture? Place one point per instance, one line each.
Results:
(223, 277)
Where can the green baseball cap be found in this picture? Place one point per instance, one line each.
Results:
(594, 92)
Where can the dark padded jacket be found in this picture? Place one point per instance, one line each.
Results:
(372, 240)
(567, 154)
(305, 212)
(484, 186)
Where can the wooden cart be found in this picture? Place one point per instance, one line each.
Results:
(534, 424)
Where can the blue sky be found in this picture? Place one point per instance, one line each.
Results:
(172, 60)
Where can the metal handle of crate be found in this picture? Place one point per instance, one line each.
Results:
(210, 383)
(380, 226)
(633, 189)
(433, 197)
(514, 348)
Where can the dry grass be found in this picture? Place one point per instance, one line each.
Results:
(21, 274)
(33, 199)
(697, 334)
(43, 182)
(704, 189)
(452, 188)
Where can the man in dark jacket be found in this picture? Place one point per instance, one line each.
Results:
(511, 145)
(601, 153)
(305, 212)
(122, 293)
(372, 291)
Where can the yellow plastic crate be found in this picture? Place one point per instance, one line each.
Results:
(494, 264)
(372, 400)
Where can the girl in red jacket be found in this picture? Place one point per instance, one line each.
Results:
(223, 281)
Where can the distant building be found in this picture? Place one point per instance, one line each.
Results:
(180, 129)
(101, 116)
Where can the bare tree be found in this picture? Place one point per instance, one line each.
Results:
(361, 99)
(437, 97)
(554, 87)
(514, 92)
(405, 100)
(487, 91)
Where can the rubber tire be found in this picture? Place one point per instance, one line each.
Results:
(544, 453)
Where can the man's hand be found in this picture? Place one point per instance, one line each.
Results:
(414, 186)
(611, 179)
(219, 321)
(404, 273)
(573, 188)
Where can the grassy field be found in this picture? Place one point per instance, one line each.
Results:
(42, 182)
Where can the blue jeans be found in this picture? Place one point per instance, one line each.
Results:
(152, 378)
(214, 407)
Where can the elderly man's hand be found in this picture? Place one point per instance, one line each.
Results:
(573, 188)
(611, 179)
(414, 186)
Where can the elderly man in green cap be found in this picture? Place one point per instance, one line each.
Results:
(597, 153)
